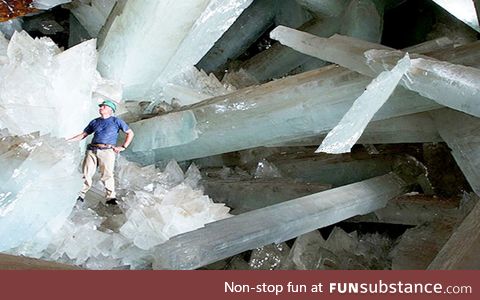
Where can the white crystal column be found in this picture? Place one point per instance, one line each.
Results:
(93, 16)
(451, 85)
(47, 4)
(143, 38)
(38, 189)
(212, 23)
(291, 108)
(342, 138)
(460, 132)
(277, 223)
(463, 10)
(44, 89)
(278, 60)
(250, 25)
(414, 128)
(299, 106)
(152, 41)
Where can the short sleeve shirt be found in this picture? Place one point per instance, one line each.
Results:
(106, 130)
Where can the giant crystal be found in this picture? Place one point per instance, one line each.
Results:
(348, 131)
(460, 132)
(39, 82)
(451, 85)
(275, 223)
(464, 10)
(92, 15)
(155, 206)
(179, 35)
(38, 190)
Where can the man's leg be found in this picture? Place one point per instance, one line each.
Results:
(106, 162)
(89, 167)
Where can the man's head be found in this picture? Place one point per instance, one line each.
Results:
(107, 108)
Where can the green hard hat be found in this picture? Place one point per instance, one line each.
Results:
(110, 104)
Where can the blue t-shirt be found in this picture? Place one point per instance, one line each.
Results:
(106, 130)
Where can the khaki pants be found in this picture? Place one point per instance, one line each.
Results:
(105, 160)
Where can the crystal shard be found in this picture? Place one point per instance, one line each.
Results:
(180, 35)
(70, 78)
(463, 10)
(276, 223)
(451, 85)
(218, 16)
(459, 131)
(35, 200)
(348, 131)
(92, 15)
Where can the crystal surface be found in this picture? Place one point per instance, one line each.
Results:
(459, 130)
(330, 8)
(464, 10)
(10, 26)
(283, 110)
(92, 14)
(343, 136)
(183, 33)
(34, 64)
(47, 4)
(38, 190)
(454, 85)
(363, 20)
(250, 25)
(218, 16)
(275, 224)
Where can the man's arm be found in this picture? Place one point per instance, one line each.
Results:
(78, 137)
(128, 140)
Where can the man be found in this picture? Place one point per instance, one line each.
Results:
(101, 152)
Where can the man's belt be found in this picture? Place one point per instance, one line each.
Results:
(95, 147)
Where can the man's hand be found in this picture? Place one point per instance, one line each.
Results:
(118, 149)
(77, 137)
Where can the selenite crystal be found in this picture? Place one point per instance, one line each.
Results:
(9, 27)
(180, 33)
(155, 206)
(343, 136)
(92, 14)
(464, 10)
(38, 188)
(38, 82)
(452, 85)
(46, 4)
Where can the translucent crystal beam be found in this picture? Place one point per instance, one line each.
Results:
(460, 132)
(38, 188)
(453, 257)
(249, 26)
(212, 23)
(414, 128)
(343, 136)
(180, 34)
(463, 10)
(38, 82)
(286, 109)
(275, 224)
(361, 19)
(126, 54)
(295, 107)
(92, 15)
(451, 85)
